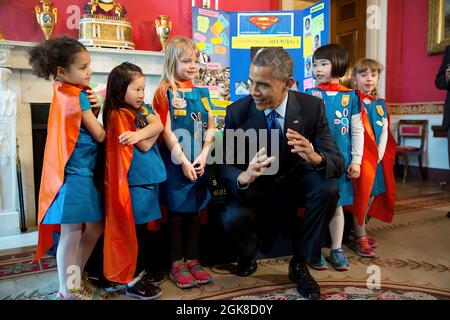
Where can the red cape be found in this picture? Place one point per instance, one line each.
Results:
(382, 207)
(333, 87)
(120, 245)
(63, 128)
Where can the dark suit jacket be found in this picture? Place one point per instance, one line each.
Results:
(442, 84)
(304, 114)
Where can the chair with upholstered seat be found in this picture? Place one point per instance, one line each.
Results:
(407, 130)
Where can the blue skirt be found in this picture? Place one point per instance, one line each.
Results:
(345, 190)
(77, 201)
(145, 202)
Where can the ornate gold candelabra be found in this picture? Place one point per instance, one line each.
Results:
(46, 19)
(163, 29)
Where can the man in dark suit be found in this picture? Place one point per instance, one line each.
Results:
(297, 170)
(443, 82)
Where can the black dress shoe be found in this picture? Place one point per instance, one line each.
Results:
(306, 285)
(246, 267)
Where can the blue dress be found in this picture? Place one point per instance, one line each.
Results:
(376, 112)
(189, 123)
(146, 172)
(78, 200)
(339, 110)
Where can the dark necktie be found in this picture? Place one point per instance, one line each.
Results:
(272, 124)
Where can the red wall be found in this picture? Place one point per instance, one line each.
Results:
(18, 21)
(410, 71)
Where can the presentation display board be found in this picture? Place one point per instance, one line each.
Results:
(229, 40)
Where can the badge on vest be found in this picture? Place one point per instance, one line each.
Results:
(178, 112)
(379, 123)
(345, 100)
(317, 94)
(206, 104)
(179, 103)
(380, 110)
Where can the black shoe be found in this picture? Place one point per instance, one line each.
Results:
(306, 285)
(141, 289)
(155, 278)
(246, 267)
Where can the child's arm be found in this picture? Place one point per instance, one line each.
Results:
(383, 140)
(177, 153)
(357, 137)
(151, 133)
(88, 119)
(143, 137)
(210, 135)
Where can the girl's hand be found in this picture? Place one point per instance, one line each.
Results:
(199, 165)
(92, 97)
(353, 171)
(130, 137)
(189, 171)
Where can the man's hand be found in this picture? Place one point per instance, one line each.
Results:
(447, 74)
(256, 168)
(353, 171)
(130, 137)
(302, 147)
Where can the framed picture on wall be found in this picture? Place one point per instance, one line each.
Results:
(438, 25)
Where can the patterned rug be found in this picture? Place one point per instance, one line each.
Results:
(15, 265)
(413, 262)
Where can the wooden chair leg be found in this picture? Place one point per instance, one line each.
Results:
(405, 167)
(422, 168)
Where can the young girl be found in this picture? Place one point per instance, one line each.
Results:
(67, 195)
(379, 154)
(186, 112)
(343, 113)
(133, 170)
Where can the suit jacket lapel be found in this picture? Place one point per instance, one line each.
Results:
(292, 120)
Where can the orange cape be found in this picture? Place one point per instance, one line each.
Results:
(120, 245)
(332, 87)
(63, 128)
(382, 207)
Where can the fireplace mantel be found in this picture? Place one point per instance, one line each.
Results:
(30, 89)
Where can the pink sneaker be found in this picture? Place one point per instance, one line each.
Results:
(200, 274)
(182, 277)
(372, 242)
(362, 247)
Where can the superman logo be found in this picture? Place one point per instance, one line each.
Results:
(263, 22)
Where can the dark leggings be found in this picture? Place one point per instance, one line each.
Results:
(143, 258)
(184, 229)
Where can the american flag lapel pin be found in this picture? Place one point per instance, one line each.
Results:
(295, 121)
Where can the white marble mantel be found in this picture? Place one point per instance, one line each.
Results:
(30, 89)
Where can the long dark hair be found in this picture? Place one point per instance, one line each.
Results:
(48, 55)
(118, 80)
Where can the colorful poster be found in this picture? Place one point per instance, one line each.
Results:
(210, 32)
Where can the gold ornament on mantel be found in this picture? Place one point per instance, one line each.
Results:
(47, 19)
(163, 29)
(1, 34)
